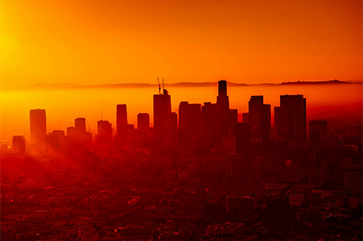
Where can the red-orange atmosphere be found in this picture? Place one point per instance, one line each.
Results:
(93, 42)
(105, 42)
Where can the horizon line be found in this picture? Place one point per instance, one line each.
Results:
(40, 86)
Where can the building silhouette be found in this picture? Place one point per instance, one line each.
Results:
(19, 145)
(121, 118)
(38, 126)
(143, 122)
(164, 121)
(80, 126)
(222, 111)
(104, 132)
(190, 122)
(290, 119)
(259, 119)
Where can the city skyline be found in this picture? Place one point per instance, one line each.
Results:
(319, 106)
(181, 120)
(200, 170)
(210, 123)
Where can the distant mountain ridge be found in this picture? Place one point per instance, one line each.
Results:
(45, 86)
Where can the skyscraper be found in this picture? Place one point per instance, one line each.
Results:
(259, 119)
(143, 122)
(209, 126)
(255, 115)
(223, 112)
(38, 126)
(121, 117)
(19, 144)
(80, 126)
(121, 125)
(290, 118)
(162, 107)
(104, 132)
(190, 118)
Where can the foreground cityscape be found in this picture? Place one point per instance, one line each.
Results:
(200, 174)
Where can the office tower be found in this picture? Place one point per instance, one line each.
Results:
(222, 111)
(243, 138)
(121, 117)
(71, 131)
(280, 123)
(255, 115)
(184, 114)
(55, 140)
(104, 132)
(259, 119)
(190, 118)
(318, 132)
(266, 123)
(290, 118)
(162, 107)
(38, 126)
(143, 122)
(80, 126)
(208, 136)
(121, 125)
(222, 88)
(19, 144)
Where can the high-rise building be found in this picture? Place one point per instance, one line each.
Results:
(38, 126)
(266, 123)
(71, 131)
(190, 118)
(121, 117)
(55, 140)
(162, 107)
(143, 126)
(259, 119)
(143, 122)
(19, 144)
(290, 118)
(121, 125)
(184, 115)
(80, 125)
(104, 132)
(208, 138)
(222, 111)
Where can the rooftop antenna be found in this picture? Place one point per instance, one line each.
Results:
(158, 84)
(163, 85)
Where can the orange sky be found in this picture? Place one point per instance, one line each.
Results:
(249, 41)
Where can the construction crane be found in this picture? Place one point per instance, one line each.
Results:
(158, 84)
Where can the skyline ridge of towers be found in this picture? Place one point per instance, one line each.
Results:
(196, 125)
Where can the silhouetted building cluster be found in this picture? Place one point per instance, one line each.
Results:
(199, 127)
(201, 174)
